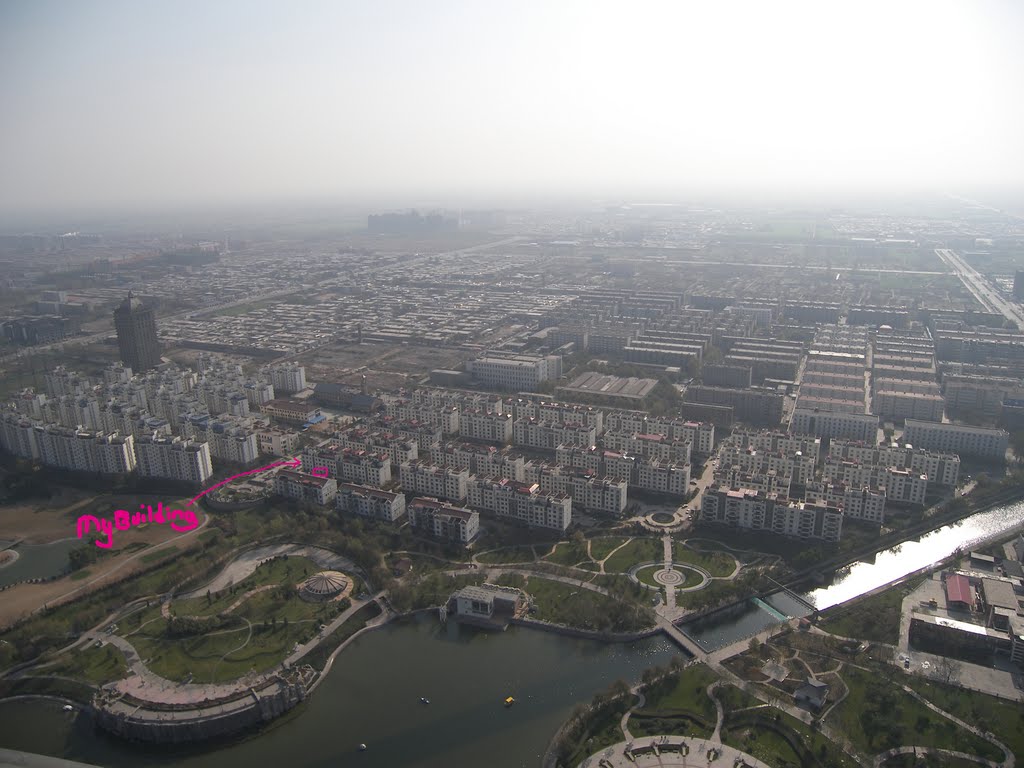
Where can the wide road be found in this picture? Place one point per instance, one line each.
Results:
(982, 289)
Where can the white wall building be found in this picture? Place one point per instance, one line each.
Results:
(370, 502)
(957, 438)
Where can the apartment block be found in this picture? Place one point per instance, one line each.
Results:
(287, 379)
(276, 442)
(349, 465)
(588, 490)
(548, 435)
(485, 460)
(859, 503)
(700, 435)
(901, 485)
(773, 440)
(444, 521)
(509, 371)
(796, 466)
(305, 487)
(398, 450)
(832, 424)
(956, 438)
(370, 502)
(754, 406)
(652, 446)
(173, 458)
(524, 503)
(771, 513)
(439, 482)
(486, 425)
(941, 468)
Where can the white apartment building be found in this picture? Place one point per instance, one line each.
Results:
(349, 465)
(173, 458)
(564, 413)
(228, 440)
(663, 477)
(773, 440)
(370, 502)
(287, 379)
(299, 485)
(438, 482)
(767, 482)
(259, 392)
(18, 436)
(444, 417)
(891, 403)
(514, 372)
(524, 503)
(547, 435)
(941, 468)
(858, 503)
(771, 513)
(957, 438)
(796, 466)
(486, 425)
(652, 446)
(398, 450)
(588, 491)
(586, 457)
(276, 442)
(900, 485)
(700, 435)
(444, 521)
(855, 426)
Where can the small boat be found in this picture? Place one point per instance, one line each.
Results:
(424, 700)
(362, 747)
(509, 701)
(67, 708)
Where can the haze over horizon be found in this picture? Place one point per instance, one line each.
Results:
(116, 103)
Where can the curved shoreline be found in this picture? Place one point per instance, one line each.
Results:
(14, 555)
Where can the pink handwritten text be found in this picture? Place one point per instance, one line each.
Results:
(182, 520)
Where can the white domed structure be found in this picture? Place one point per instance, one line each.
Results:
(323, 585)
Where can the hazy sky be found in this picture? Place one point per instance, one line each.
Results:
(154, 102)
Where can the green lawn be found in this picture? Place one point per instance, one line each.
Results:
(568, 553)
(578, 607)
(287, 572)
(636, 551)
(875, 618)
(683, 694)
(715, 563)
(520, 554)
(1004, 719)
(174, 658)
(877, 715)
(603, 546)
(91, 664)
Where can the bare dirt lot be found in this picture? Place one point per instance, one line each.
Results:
(385, 365)
(44, 525)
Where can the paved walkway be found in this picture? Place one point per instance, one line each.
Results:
(881, 758)
(664, 751)
(671, 612)
(1010, 759)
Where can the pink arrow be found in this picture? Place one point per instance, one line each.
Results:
(294, 463)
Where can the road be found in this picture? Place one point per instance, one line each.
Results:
(982, 289)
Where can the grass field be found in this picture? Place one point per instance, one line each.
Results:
(637, 551)
(601, 547)
(875, 618)
(568, 553)
(91, 665)
(578, 607)
(521, 554)
(716, 563)
(877, 715)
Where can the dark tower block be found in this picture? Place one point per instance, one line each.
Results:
(136, 335)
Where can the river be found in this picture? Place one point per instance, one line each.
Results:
(372, 695)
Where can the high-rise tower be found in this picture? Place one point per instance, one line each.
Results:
(136, 334)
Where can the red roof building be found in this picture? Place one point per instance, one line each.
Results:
(959, 593)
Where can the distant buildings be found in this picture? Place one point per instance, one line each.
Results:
(287, 379)
(42, 329)
(136, 334)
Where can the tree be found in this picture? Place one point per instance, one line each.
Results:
(948, 669)
(209, 597)
(754, 646)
